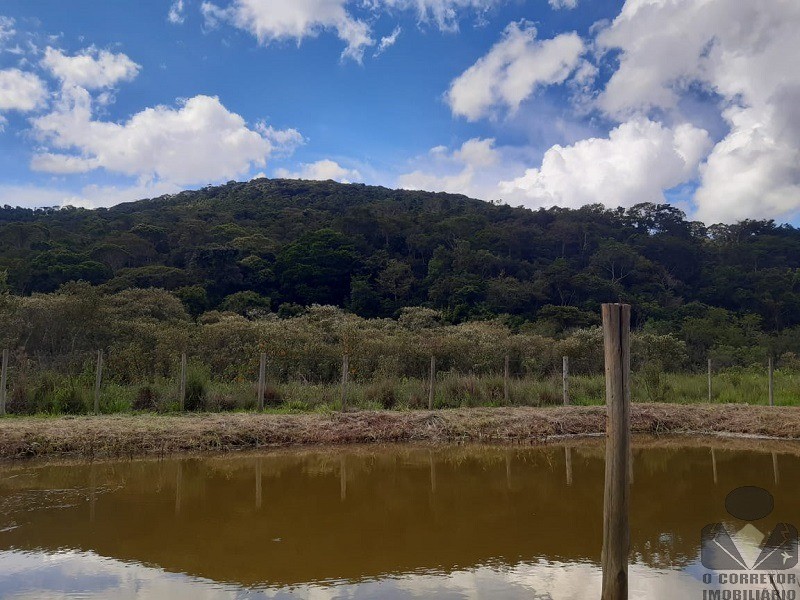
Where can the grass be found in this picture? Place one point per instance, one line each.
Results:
(51, 395)
(115, 436)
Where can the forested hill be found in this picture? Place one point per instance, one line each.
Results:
(281, 244)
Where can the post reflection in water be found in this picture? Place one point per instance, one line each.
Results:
(568, 459)
(464, 522)
(258, 482)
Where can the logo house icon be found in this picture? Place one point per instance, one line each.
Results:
(748, 548)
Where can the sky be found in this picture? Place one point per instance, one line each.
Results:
(536, 103)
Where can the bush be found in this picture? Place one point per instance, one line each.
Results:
(146, 399)
(196, 388)
(70, 399)
(382, 392)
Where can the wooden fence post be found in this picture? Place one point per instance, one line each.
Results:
(262, 378)
(506, 375)
(345, 373)
(432, 385)
(710, 395)
(771, 372)
(182, 392)
(565, 379)
(98, 381)
(3, 382)
(616, 528)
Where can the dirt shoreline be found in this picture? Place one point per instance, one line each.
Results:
(128, 436)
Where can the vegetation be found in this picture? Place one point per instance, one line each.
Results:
(127, 436)
(277, 246)
(306, 271)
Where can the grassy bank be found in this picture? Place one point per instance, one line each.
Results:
(140, 435)
(52, 395)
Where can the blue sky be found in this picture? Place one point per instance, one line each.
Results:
(531, 102)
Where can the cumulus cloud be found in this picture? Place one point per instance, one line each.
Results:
(285, 141)
(271, 21)
(197, 142)
(512, 71)
(91, 69)
(176, 14)
(470, 170)
(745, 54)
(20, 90)
(90, 196)
(322, 170)
(636, 163)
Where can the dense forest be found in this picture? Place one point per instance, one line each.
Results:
(279, 246)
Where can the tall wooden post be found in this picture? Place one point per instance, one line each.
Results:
(565, 379)
(616, 529)
(506, 375)
(3, 382)
(345, 373)
(771, 370)
(432, 384)
(98, 381)
(710, 395)
(182, 391)
(262, 378)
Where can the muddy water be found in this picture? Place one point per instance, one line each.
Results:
(385, 522)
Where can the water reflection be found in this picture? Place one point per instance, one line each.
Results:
(382, 523)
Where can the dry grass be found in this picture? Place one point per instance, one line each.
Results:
(141, 435)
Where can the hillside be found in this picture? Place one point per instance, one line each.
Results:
(278, 245)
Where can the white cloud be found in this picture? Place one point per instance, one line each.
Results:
(198, 142)
(285, 141)
(569, 4)
(176, 14)
(6, 28)
(636, 163)
(321, 170)
(271, 21)
(512, 71)
(444, 13)
(90, 196)
(464, 171)
(91, 69)
(746, 54)
(20, 90)
(388, 41)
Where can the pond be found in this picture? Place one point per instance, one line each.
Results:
(379, 522)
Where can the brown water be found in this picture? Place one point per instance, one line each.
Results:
(384, 522)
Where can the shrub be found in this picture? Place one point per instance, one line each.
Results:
(70, 399)
(382, 392)
(146, 399)
(196, 387)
